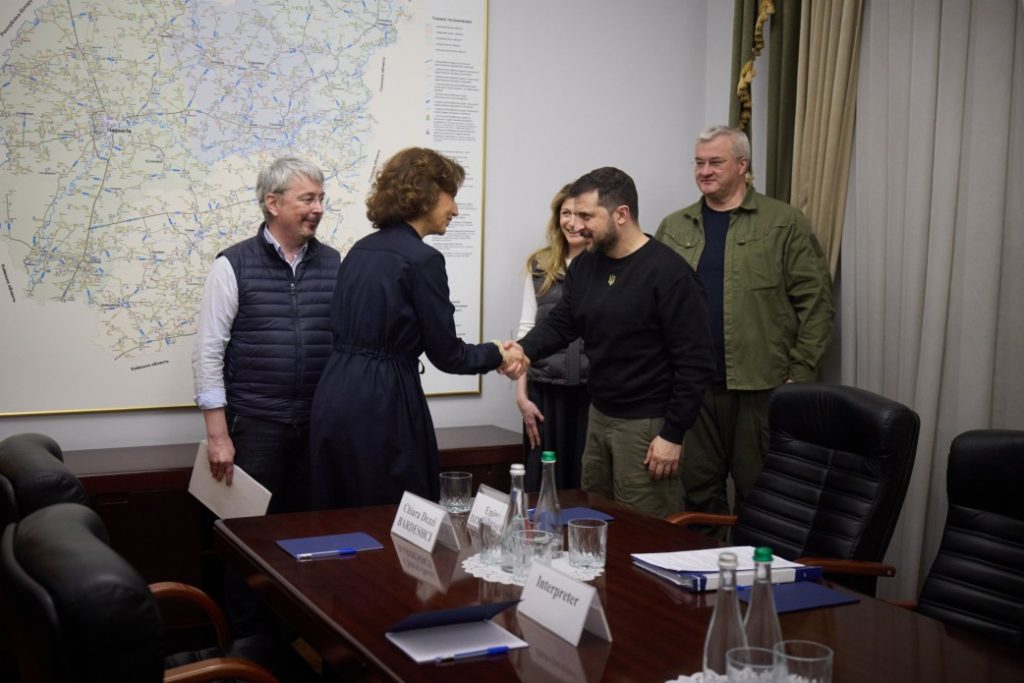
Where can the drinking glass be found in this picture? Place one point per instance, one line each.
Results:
(750, 665)
(802, 660)
(529, 546)
(490, 540)
(588, 543)
(456, 491)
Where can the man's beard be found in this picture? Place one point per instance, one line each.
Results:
(607, 242)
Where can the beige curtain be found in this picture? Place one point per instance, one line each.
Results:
(825, 105)
(932, 305)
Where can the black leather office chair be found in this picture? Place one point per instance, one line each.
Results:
(32, 476)
(977, 579)
(85, 615)
(833, 481)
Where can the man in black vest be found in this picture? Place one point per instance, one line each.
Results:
(264, 338)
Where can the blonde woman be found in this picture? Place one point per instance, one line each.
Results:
(553, 396)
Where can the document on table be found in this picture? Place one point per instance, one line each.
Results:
(451, 635)
(697, 570)
(455, 642)
(706, 560)
(246, 497)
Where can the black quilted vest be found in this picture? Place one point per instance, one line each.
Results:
(569, 366)
(281, 336)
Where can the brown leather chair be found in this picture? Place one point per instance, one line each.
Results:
(833, 482)
(84, 614)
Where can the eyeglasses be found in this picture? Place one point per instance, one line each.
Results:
(714, 164)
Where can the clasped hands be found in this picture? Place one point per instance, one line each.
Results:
(514, 362)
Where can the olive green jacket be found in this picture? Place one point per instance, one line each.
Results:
(777, 304)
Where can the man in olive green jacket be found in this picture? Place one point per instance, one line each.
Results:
(770, 310)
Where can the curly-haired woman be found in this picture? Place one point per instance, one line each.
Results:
(372, 437)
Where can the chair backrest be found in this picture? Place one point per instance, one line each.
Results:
(835, 475)
(977, 579)
(32, 476)
(84, 614)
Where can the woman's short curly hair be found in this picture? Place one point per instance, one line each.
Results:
(409, 184)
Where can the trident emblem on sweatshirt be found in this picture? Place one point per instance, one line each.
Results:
(611, 280)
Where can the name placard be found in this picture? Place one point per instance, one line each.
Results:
(489, 502)
(423, 523)
(563, 605)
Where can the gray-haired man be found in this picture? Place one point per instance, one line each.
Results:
(264, 338)
(770, 307)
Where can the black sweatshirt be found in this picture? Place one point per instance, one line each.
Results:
(644, 323)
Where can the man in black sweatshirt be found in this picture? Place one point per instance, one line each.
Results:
(640, 311)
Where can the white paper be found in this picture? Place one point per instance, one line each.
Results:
(707, 560)
(439, 642)
(246, 497)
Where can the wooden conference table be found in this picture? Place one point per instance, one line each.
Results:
(344, 605)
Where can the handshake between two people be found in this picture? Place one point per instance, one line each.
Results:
(513, 361)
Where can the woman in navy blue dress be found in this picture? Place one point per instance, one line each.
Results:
(372, 437)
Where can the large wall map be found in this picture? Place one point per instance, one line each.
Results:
(131, 133)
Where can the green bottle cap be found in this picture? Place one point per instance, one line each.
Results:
(763, 554)
(547, 456)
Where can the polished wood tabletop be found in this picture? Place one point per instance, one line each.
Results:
(345, 605)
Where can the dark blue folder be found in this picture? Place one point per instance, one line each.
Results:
(569, 514)
(339, 544)
(802, 595)
(455, 615)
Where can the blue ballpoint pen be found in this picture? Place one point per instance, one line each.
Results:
(326, 553)
(487, 652)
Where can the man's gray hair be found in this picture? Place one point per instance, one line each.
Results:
(739, 139)
(278, 177)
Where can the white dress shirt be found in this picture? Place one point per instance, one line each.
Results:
(216, 315)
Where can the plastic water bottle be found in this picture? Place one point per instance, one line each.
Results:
(516, 517)
(726, 629)
(762, 621)
(548, 513)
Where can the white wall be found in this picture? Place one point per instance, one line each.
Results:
(572, 85)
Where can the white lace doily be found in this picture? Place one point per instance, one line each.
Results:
(699, 677)
(494, 572)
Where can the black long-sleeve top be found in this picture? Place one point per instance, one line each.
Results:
(644, 323)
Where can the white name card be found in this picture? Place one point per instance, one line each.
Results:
(563, 605)
(423, 523)
(489, 502)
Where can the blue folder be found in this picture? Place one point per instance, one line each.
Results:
(343, 544)
(455, 615)
(802, 595)
(698, 582)
(569, 514)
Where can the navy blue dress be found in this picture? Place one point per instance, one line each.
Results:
(372, 437)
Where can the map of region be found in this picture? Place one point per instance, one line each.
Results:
(131, 133)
